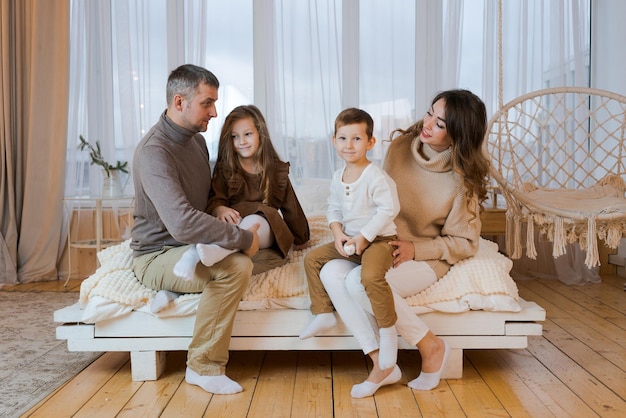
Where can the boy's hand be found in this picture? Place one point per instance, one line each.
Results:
(340, 239)
(359, 242)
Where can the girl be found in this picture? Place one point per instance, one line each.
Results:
(250, 186)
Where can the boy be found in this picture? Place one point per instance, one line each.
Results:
(362, 205)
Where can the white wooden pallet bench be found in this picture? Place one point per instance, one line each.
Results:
(148, 338)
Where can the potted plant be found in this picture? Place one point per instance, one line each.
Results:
(112, 184)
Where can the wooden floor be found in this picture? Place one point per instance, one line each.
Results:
(576, 369)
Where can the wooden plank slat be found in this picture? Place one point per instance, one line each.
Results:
(244, 368)
(275, 387)
(313, 391)
(78, 391)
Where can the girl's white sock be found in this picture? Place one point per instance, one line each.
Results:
(162, 299)
(210, 254)
(186, 266)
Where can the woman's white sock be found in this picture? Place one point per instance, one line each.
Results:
(367, 388)
(428, 381)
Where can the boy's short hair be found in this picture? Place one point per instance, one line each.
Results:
(351, 116)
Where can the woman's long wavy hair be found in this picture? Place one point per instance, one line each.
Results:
(466, 123)
(266, 155)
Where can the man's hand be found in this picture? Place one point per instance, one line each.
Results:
(254, 248)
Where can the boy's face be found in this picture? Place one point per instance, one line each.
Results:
(352, 143)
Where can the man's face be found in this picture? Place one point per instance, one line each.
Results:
(196, 111)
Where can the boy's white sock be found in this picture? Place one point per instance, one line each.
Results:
(210, 253)
(388, 352)
(162, 299)
(186, 266)
(219, 385)
(320, 323)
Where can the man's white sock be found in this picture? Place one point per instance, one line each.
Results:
(219, 385)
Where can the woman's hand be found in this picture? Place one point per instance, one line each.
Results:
(226, 214)
(404, 251)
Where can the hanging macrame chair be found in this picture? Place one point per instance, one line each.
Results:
(558, 156)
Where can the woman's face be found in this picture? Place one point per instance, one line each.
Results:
(434, 132)
(245, 138)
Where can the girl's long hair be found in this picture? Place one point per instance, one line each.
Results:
(266, 155)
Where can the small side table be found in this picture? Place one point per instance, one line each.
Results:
(494, 216)
(95, 204)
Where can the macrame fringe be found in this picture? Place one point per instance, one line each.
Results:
(592, 259)
(531, 251)
(558, 244)
(614, 234)
(513, 236)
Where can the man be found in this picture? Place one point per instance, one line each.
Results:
(172, 179)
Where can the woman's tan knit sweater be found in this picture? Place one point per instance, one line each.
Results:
(434, 212)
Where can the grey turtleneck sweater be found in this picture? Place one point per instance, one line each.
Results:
(172, 179)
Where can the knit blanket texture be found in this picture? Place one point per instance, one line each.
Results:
(486, 274)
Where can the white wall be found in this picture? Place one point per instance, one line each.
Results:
(608, 53)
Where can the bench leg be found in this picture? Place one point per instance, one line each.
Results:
(147, 365)
(454, 365)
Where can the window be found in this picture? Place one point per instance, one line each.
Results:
(302, 62)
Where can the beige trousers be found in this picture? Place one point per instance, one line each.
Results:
(222, 286)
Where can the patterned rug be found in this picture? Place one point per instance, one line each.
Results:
(34, 363)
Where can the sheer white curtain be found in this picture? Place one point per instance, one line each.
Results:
(302, 62)
(544, 44)
(328, 55)
(117, 68)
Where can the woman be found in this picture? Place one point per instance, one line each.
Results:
(438, 166)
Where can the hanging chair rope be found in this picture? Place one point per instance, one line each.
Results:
(557, 156)
(500, 58)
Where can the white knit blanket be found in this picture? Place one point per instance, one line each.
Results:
(479, 282)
